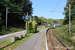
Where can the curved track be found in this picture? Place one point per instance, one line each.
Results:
(54, 43)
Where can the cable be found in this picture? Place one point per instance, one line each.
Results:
(14, 11)
(57, 5)
(55, 11)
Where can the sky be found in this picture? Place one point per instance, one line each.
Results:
(43, 8)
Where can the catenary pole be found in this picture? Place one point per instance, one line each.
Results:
(69, 18)
(6, 18)
(7, 15)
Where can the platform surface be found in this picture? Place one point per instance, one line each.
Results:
(34, 42)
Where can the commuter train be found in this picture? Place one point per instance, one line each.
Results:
(55, 25)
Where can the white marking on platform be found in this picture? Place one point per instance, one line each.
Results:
(11, 34)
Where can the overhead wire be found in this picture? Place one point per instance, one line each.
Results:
(14, 11)
(56, 5)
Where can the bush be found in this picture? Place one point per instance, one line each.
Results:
(48, 26)
(73, 28)
(32, 26)
(73, 22)
(64, 35)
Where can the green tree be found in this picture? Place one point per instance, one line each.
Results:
(50, 21)
(66, 20)
(17, 10)
(27, 8)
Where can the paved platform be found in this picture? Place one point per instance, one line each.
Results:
(6, 37)
(33, 43)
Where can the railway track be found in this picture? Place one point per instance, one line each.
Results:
(54, 43)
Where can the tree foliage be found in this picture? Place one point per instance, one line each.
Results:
(66, 20)
(27, 7)
(50, 21)
(42, 20)
(32, 26)
(17, 10)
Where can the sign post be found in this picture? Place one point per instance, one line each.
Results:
(27, 24)
(26, 18)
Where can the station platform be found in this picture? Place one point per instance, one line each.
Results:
(35, 42)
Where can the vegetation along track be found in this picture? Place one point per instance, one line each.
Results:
(53, 41)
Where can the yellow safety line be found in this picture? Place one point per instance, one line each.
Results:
(43, 44)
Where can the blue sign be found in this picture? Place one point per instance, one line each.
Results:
(23, 18)
(26, 18)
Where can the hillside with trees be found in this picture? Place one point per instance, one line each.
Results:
(66, 35)
(18, 9)
(66, 20)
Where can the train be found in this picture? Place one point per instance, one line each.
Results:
(55, 25)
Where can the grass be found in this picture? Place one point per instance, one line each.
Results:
(64, 35)
(11, 30)
(40, 29)
(8, 45)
